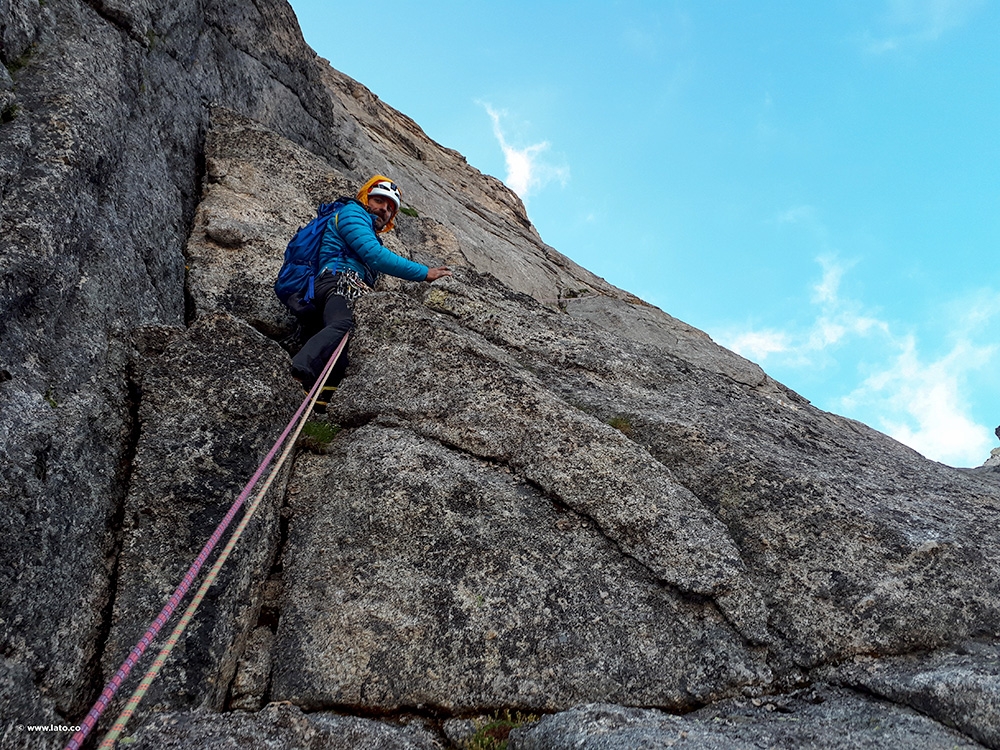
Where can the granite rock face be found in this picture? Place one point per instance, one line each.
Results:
(959, 687)
(200, 440)
(105, 106)
(101, 147)
(820, 719)
(546, 495)
(418, 575)
(279, 726)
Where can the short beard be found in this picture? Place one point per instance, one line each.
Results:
(379, 221)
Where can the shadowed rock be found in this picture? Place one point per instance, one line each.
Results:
(279, 726)
(826, 719)
(960, 688)
(213, 401)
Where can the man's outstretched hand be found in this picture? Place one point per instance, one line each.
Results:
(437, 273)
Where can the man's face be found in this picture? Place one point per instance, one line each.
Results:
(382, 208)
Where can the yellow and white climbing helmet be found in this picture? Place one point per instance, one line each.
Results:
(381, 185)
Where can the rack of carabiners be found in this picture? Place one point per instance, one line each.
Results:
(287, 439)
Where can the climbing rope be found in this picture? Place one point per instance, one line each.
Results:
(296, 424)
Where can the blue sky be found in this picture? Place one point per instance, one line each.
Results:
(815, 185)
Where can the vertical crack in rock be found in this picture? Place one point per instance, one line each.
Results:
(190, 308)
(202, 440)
(122, 19)
(250, 685)
(115, 526)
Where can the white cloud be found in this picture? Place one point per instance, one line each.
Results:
(922, 404)
(912, 22)
(975, 311)
(759, 344)
(915, 399)
(827, 290)
(527, 172)
(835, 320)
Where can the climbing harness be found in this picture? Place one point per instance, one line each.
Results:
(293, 428)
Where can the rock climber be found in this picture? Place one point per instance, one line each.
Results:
(351, 259)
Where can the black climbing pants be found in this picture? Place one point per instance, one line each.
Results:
(337, 319)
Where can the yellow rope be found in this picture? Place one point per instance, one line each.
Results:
(140, 692)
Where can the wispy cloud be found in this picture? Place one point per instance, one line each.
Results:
(527, 171)
(907, 23)
(916, 399)
(835, 321)
(827, 291)
(922, 405)
(758, 345)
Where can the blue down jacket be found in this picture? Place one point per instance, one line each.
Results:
(350, 243)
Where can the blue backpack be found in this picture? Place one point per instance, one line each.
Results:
(297, 277)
